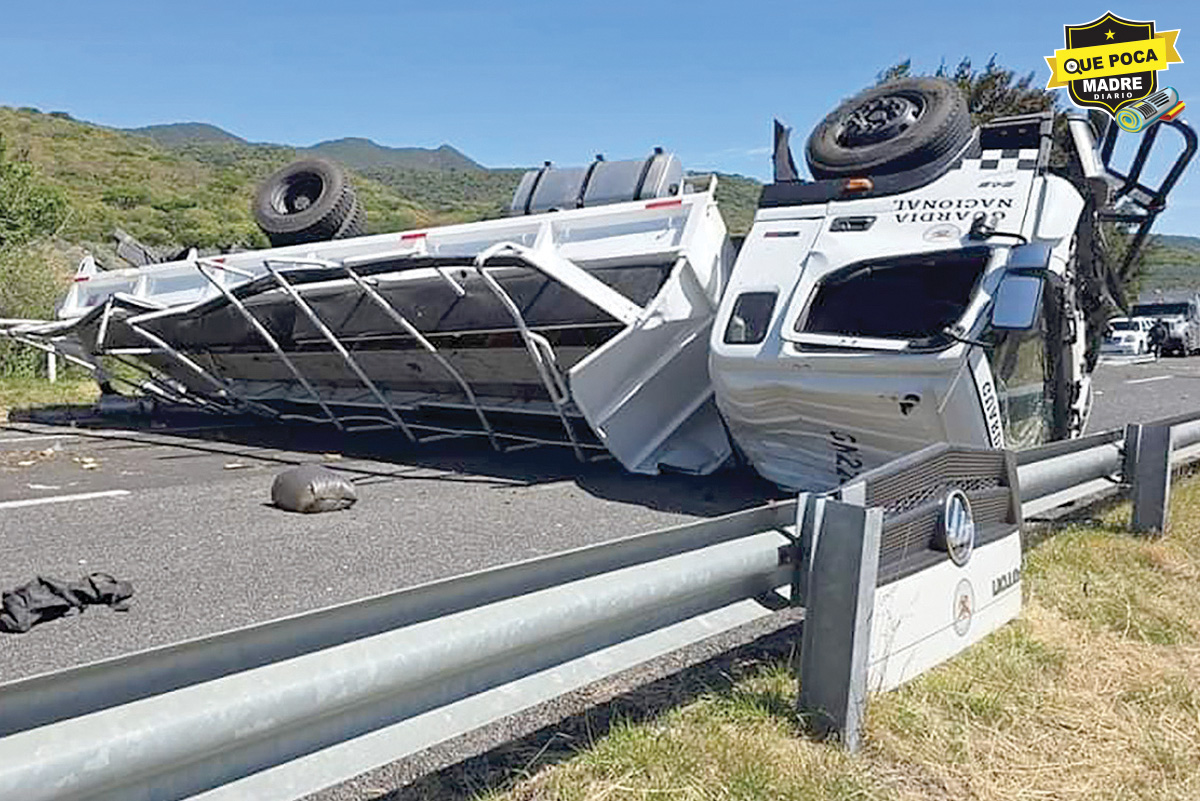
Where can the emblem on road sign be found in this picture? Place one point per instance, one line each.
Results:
(957, 532)
(964, 607)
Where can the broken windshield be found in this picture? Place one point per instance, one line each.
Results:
(903, 297)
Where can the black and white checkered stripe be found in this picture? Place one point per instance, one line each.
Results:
(1023, 159)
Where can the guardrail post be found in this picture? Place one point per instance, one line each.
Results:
(809, 509)
(1151, 478)
(843, 565)
(51, 367)
(1133, 435)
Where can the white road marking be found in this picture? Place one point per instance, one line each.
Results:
(1148, 380)
(6, 441)
(1122, 360)
(80, 496)
(553, 485)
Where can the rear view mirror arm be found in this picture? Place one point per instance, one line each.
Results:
(952, 332)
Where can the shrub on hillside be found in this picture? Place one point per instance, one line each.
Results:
(30, 277)
(29, 209)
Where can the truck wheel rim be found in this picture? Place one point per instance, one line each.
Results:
(298, 193)
(878, 120)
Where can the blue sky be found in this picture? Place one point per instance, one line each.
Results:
(515, 83)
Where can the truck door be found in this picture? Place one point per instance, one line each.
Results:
(1027, 367)
(1019, 366)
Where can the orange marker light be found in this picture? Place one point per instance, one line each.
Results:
(858, 185)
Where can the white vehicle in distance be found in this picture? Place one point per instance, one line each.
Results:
(1127, 336)
(1181, 314)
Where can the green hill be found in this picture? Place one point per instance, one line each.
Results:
(182, 133)
(363, 154)
(190, 184)
(1178, 242)
(447, 183)
(1172, 263)
(196, 193)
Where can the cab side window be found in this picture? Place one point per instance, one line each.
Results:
(1021, 370)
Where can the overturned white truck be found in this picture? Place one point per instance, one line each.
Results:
(937, 282)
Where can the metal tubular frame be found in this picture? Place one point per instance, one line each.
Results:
(1150, 200)
(271, 343)
(157, 384)
(395, 316)
(551, 378)
(228, 399)
(163, 385)
(429, 347)
(102, 334)
(223, 389)
(315, 319)
(540, 351)
(49, 348)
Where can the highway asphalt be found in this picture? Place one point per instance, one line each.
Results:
(1139, 390)
(180, 508)
(185, 515)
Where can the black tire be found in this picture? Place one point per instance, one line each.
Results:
(308, 201)
(355, 224)
(890, 128)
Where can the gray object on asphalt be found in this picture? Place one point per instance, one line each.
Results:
(312, 488)
(46, 598)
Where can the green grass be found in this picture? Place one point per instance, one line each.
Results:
(1094, 693)
(28, 392)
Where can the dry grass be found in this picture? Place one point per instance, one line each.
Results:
(1093, 694)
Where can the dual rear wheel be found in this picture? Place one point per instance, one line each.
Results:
(308, 201)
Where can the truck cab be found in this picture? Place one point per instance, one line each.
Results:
(878, 309)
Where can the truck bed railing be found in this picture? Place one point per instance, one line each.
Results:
(540, 351)
(324, 362)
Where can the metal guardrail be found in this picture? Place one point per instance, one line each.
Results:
(216, 715)
(1061, 473)
(284, 708)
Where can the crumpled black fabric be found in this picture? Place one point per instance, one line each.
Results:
(47, 598)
